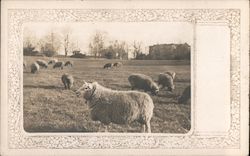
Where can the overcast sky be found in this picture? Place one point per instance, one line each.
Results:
(149, 33)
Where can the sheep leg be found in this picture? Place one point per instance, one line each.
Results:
(143, 128)
(70, 85)
(65, 85)
(148, 128)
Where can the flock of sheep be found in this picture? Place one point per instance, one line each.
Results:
(119, 107)
(35, 66)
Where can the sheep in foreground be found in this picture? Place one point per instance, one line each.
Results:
(166, 80)
(186, 95)
(117, 64)
(108, 65)
(34, 67)
(119, 107)
(144, 82)
(52, 61)
(58, 65)
(67, 80)
(42, 63)
(69, 63)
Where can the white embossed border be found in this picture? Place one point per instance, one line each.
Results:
(17, 139)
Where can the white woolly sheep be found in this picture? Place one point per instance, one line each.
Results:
(186, 95)
(119, 107)
(58, 65)
(34, 67)
(117, 64)
(69, 63)
(108, 65)
(52, 61)
(166, 80)
(42, 63)
(144, 82)
(67, 80)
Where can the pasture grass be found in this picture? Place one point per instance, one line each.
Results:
(48, 107)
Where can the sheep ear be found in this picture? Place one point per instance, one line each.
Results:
(84, 82)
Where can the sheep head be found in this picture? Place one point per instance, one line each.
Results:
(87, 90)
(154, 88)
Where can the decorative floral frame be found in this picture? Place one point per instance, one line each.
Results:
(19, 139)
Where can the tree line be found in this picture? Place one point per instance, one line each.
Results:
(99, 47)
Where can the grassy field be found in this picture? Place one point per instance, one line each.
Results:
(50, 108)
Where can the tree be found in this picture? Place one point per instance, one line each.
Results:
(96, 46)
(29, 50)
(137, 48)
(66, 31)
(116, 50)
(50, 44)
(29, 43)
(48, 50)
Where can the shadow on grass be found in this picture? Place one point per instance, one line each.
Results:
(43, 87)
(50, 128)
(25, 71)
(167, 94)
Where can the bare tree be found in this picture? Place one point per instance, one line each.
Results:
(96, 46)
(29, 38)
(66, 31)
(137, 48)
(50, 44)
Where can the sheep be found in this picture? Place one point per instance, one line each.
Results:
(58, 65)
(186, 95)
(171, 73)
(67, 80)
(42, 63)
(52, 61)
(69, 63)
(144, 82)
(117, 64)
(108, 65)
(119, 107)
(166, 80)
(34, 67)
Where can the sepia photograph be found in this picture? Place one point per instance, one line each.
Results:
(124, 77)
(107, 77)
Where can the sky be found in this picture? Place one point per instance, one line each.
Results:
(148, 33)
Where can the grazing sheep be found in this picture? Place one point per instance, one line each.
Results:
(67, 80)
(58, 65)
(42, 63)
(117, 64)
(34, 67)
(140, 81)
(186, 95)
(119, 107)
(69, 63)
(166, 80)
(52, 61)
(108, 65)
